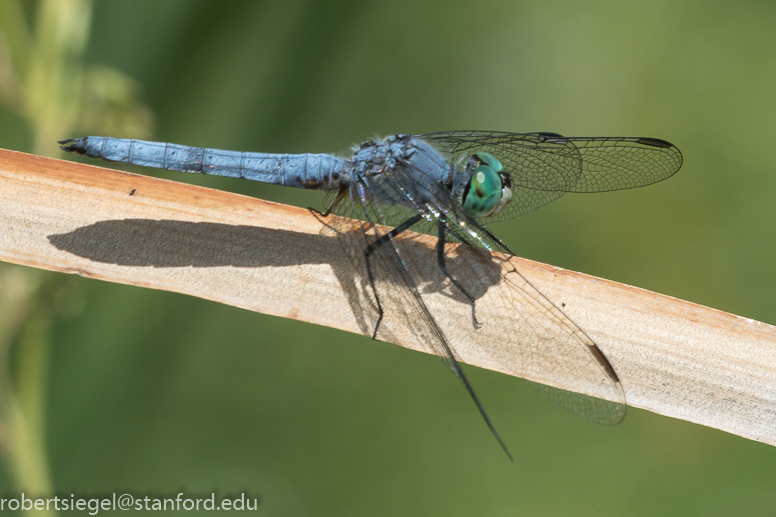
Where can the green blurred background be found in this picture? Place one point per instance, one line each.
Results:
(114, 388)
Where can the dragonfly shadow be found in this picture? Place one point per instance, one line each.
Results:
(170, 243)
(181, 244)
(173, 244)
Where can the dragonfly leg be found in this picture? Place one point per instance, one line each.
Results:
(340, 196)
(373, 247)
(441, 262)
(497, 241)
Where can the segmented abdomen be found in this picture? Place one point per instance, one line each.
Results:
(312, 171)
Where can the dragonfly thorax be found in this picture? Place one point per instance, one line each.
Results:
(421, 167)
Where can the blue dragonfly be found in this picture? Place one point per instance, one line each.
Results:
(450, 185)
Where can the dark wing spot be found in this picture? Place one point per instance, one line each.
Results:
(654, 142)
(604, 362)
(132, 192)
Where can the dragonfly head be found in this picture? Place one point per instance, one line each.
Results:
(489, 188)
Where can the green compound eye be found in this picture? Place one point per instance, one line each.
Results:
(490, 160)
(484, 192)
(489, 188)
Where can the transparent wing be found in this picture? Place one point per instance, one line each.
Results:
(520, 329)
(360, 224)
(544, 166)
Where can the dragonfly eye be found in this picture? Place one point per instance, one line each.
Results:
(489, 189)
(488, 159)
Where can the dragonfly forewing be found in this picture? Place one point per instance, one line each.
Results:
(520, 329)
(544, 166)
(516, 329)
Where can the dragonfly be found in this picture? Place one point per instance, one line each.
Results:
(450, 185)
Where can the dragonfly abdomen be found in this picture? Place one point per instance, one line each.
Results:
(310, 171)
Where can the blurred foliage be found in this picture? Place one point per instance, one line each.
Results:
(43, 80)
(152, 392)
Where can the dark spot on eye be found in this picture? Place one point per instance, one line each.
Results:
(335, 175)
(132, 192)
(654, 142)
(562, 304)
